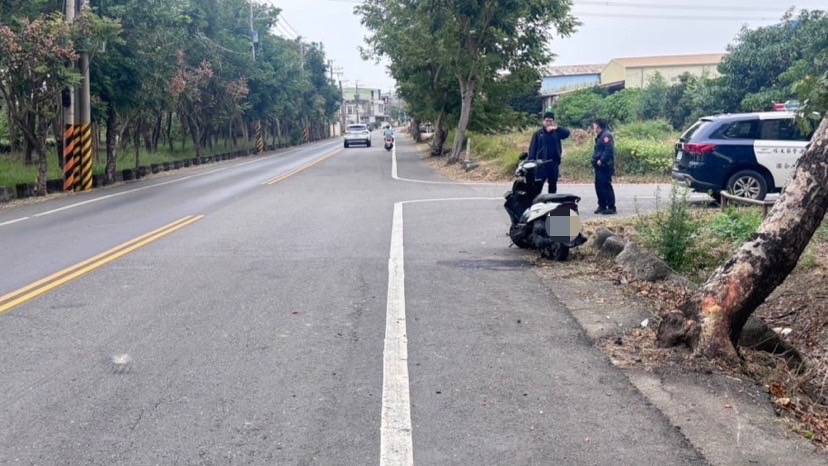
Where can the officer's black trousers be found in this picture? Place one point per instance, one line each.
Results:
(603, 188)
(552, 179)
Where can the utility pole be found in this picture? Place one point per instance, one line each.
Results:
(254, 39)
(342, 108)
(70, 164)
(336, 72)
(356, 98)
(85, 99)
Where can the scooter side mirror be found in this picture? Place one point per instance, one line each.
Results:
(524, 156)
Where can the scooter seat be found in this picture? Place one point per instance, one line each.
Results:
(556, 198)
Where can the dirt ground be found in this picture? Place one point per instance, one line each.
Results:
(797, 311)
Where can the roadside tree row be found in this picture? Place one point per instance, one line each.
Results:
(471, 64)
(163, 73)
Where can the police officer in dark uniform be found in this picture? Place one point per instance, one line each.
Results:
(546, 147)
(603, 161)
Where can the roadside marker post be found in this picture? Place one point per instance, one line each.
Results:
(260, 144)
(70, 163)
(86, 157)
(77, 157)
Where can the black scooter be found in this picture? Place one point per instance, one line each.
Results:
(546, 222)
(389, 143)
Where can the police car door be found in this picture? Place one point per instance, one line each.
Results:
(779, 146)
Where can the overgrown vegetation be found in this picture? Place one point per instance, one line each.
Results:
(672, 232)
(695, 242)
(644, 151)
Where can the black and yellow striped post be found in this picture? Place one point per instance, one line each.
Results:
(307, 135)
(260, 142)
(86, 158)
(70, 163)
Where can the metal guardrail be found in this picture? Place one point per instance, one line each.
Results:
(728, 199)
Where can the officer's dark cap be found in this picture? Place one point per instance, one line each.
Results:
(549, 115)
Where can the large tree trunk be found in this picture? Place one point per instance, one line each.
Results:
(137, 137)
(29, 146)
(14, 133)
(57, 133)
(169, 130)
(111, 149)
(156, 131)
(440, 135)
(42, 167)
(195, 134)
(467, 91)
(415, 130)
(712, 320)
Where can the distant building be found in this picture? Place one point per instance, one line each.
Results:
(638, 71)
(364, 105)
(558, 80)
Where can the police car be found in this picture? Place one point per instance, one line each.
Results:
(746, 154)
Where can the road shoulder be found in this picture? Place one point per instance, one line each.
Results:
(727, 419)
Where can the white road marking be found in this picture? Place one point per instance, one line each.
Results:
(447, 199)
(21, 219)
(130, 191)
(396, 446)
(396, 176)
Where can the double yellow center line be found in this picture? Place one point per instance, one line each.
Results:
(45, 285)
(273, 181)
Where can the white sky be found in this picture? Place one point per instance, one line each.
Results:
(668, 27)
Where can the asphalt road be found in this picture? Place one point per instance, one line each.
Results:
(356, 312)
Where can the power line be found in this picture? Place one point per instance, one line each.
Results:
(669, 7)
(674, 6)
(675, 17)
(290, 26)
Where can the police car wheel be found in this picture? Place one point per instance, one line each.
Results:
(748, 184)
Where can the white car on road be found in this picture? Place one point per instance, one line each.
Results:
(357, 134)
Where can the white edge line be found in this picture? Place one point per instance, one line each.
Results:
(395, 176)
(396, 445)
(396, 442)
(446, 199)
(10, 222)
(142, 188)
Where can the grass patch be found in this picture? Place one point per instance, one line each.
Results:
(695, 242)
(14, 170)
(644, 151)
